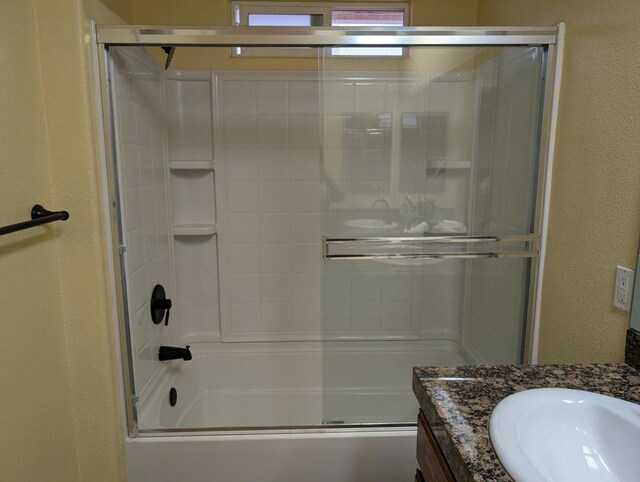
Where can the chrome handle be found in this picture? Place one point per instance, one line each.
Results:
(459, 255)
(433, 239)
(436, 239)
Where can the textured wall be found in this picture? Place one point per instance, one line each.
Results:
(60, 409)
(595, 205)
(218, 12)
(67, 82)
(35, 408)
(122, 8)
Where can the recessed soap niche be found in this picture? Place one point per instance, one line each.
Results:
(193, 202)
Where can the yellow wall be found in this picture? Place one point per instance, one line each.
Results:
(36, 416)
(122, 8)
(218, 12)
(65, 50)
(595, 205)
(60, 407)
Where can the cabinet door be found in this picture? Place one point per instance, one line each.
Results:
(432, 463)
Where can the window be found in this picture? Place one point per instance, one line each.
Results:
(290, 14)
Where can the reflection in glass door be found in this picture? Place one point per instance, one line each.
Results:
(429, 190)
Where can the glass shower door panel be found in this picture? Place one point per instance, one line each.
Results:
(509, 104)
(418, 153)
(510, 96)
(143, 199)
(497, 299)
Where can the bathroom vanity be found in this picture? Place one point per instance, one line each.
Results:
(432, 464)
(456, 405)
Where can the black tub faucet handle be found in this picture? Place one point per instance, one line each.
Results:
(160, 306)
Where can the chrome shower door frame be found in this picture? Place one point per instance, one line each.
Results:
(225, 36)
(139, 35)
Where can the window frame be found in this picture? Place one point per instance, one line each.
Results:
(241, 9)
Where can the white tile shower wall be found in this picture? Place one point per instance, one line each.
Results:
(379, 133)
(141, 162)
(371, 300)
(270, 216)
(377, 300)
(504, 186)
(189, 119)
(269, 205)
(440, 302)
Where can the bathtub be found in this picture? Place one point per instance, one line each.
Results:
(344, 456)
(246, 386)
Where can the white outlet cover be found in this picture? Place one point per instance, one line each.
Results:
(624, 288)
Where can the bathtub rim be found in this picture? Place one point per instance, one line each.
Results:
(301, 431)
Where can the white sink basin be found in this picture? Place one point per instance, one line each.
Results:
(370, 224)
(553, 434)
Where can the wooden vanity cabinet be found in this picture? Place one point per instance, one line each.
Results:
(432, 466)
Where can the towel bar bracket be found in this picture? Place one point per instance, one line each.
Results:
(39, 216)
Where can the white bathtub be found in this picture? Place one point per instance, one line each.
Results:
(253, 385)
(311, 457)
(293, 384)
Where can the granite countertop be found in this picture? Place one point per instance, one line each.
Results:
(458, 402)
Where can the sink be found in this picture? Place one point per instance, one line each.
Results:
(370, 224)
(555, 434)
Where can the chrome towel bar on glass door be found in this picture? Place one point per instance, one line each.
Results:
(531, 239)
(39, 215)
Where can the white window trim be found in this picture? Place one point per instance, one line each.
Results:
(324, 9)
(276, 8)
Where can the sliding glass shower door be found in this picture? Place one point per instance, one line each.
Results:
(322, 223)
(429, 191)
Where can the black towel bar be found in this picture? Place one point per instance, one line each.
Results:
(39, 215)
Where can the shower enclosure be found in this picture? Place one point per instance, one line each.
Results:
(322, 218)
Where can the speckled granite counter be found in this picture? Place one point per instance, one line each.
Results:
(458, 402)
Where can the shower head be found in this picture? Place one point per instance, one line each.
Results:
(169, 50)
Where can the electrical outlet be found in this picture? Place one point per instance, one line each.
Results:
(624, 288)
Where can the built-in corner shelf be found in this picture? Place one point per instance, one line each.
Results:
(195, 229)
(191, 165)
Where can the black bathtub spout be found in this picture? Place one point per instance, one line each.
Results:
(174, 353)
